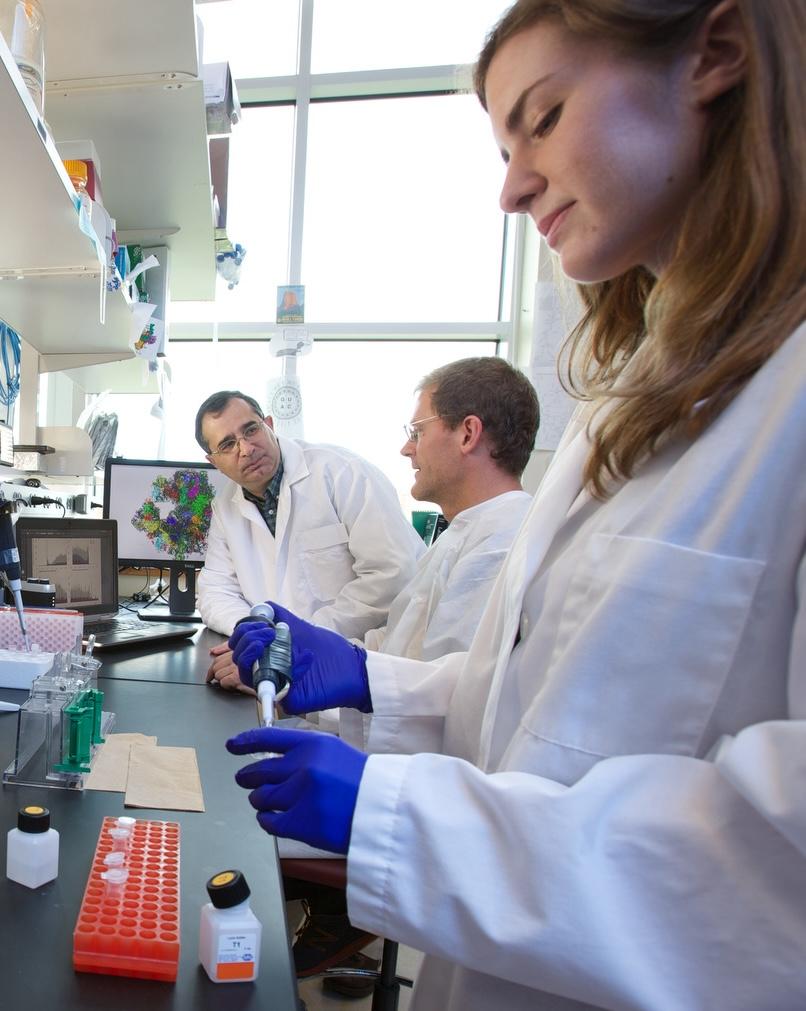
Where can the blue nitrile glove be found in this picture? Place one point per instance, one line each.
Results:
(326, 670)
(309, 791)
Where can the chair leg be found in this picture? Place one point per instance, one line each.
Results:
(387, 988)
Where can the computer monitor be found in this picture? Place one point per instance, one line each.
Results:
(76, 556)
(163, 510)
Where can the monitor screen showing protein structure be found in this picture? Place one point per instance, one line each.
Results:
(162, 508)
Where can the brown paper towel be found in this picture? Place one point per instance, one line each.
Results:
(110, 766)
(164, 778)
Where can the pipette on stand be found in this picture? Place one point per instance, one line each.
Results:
(21, 617)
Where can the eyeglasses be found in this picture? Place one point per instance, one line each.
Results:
(229, 446)
(412, 433)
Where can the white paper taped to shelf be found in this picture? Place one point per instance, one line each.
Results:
(144, 265)
(149, 341)
(152, 339)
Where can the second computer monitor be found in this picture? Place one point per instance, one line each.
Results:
(163, 510)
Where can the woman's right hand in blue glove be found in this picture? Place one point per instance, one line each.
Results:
(327, 670)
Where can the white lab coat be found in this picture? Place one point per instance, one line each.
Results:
(618, 818)
(439, 611)
(341, 553)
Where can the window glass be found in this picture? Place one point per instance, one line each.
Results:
(197, 369)
(356, 394)
(401, 214)
(367, 35)
(257, 38)
(259, 188)
(359, 394)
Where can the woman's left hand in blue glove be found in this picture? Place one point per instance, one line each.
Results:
(309, 791)
(327, 670)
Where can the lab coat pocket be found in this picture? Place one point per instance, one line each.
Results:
(647, 635)
(326, 560)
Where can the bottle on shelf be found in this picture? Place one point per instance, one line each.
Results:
(22, 25)
(77, 170)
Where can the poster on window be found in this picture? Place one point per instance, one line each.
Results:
(291, 303)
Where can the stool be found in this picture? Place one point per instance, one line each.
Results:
(333, 873)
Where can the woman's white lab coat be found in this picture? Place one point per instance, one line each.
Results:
(618, 818)
(341, 553)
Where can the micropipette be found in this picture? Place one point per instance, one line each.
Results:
(17, 594)
(272, 677)
(271, 674)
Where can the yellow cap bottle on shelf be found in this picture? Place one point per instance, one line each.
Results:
(77, 170)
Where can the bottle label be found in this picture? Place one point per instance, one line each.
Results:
(236, 956)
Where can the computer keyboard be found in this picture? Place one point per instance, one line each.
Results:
(116, 625)
(125, 630)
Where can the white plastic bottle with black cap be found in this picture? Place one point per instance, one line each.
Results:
(32, 858)
(229, 932)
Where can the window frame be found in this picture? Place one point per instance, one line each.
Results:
(303, 89)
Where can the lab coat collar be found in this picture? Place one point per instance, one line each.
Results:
(469, 516)
(295, 467)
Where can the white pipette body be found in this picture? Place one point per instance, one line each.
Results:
(266, 694)
(17, 594)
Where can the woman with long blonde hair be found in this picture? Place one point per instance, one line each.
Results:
(602, 804)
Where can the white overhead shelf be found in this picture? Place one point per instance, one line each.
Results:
(132, 376)
(50, 270)
(152, 143)
(40, 223)
(61, 315)
(126, 76)
(88, 39)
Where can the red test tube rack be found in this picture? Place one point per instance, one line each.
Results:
(132, 929)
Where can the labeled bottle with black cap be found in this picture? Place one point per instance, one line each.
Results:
(229, 933)
(32, 858)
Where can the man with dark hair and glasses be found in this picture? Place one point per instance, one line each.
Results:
(472, 430)
(314, 526)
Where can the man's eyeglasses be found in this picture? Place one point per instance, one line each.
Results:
(413, 432)
(229, 446)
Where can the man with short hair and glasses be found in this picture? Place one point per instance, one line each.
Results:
(316, 527)
(473, 429)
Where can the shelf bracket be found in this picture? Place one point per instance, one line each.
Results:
(169, 79)
(21, 273)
